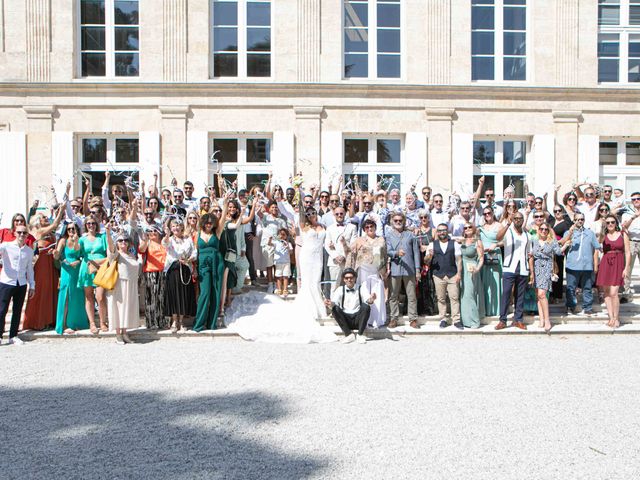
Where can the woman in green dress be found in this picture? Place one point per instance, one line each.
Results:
(210, 270)
(491, 273)
(71, 315)
(471, 299)
(93, 251)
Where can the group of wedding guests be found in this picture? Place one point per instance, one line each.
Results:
(182, 259)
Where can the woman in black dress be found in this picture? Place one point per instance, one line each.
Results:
(426, 289)
(561, 224)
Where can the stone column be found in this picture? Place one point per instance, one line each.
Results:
(38, 34)
(174, 55)
(566, 126)
(439, 158)
(307, 141)
(567, 53)
(309, 41)
(173, 133)
(438, 36)
(39, 127)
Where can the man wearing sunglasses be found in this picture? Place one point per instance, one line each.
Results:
(589, 205)
(490, 197)
(631, 223)
(16, 274)
(581, 264)
(438, 214)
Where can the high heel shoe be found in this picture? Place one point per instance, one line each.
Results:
(126, 338)
(174, 327)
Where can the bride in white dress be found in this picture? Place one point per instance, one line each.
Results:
(267, 318)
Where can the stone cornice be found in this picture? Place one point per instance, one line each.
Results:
(313, 113)
(39, 112)
(179, 112)
(436, 114)
(567, 116)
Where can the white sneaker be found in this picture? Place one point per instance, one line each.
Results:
(361, 339)
(15, 341)
(349, 338)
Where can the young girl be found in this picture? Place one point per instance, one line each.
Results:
(282, 261)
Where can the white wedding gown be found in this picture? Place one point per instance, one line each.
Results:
(261, 317)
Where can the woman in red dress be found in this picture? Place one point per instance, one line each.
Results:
(42, 307)
(615, 267)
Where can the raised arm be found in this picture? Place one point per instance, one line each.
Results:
(503, 230)
(477, 194)
(252, 212)
(85, 197)
(223, 215)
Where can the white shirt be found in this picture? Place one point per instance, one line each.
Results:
(439, 217)
(179, 249)
(634, 228)
(17, 265)
(335, 233)
(588, 212)
(351, 304)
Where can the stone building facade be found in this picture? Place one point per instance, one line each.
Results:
(393, 91)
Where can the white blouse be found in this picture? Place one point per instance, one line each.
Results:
(179, 249)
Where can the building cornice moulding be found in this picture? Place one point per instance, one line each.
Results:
(313, 113)
(39, 112)
(437, 114)
(179, 112)
(567, 116)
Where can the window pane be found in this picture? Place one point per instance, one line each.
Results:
(356, 150)
(608, 46)
(515, 43)
(94, 150)
(482, 18)
(482, 43)
(607, 70)
(515, 153)
(609, 15)
(361, 179)
(634, 46)
(93, 65)
(125, 12)
(515, 18)
(225, 65)
(634, 15)
(258, 39)
(258, 13)
(608, 153)
(633, 153)
(484, 152)
(356, 40)
(225, 39)
(355, 66)
(227, 150)
(388, 181)
(388, 66)
(388, 151)
(356, 15)
(127, 38)
(482, 68)
(92, 12)
(517, 181)
(515, 2)
(127, 64)
(225, 13)
(256, 179)
(515, 68)
(634, 71)
(489, 183)
(92, 38)
(258, 65)
(126, 150)
(388, 15)
(389, 41)
(258, 150)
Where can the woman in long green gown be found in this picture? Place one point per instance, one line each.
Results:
(210, 270)
(471, 299)
(491, 273)
(71, 314)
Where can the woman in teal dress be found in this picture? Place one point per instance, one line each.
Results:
(210, 271)
(471, 298)
(491, 273)
(71, 315)
(93, 251)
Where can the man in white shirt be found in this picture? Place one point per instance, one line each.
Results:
(189, 200)
(631, 223)
(351, 306)
(16, 274)
(589, 207)
(438, 214)
(338, 235)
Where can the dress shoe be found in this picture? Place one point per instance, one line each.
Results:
(414, 324)
(349, 338)
(519, 325)
(443, 324)
(459, 325)
(393, 324)
(500, 325)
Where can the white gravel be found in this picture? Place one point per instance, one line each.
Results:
(425, 408)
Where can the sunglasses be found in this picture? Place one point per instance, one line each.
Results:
(543, 229)
(464, 208)
(579, 219)
(635, 199)
(468, 227)
(557, 211)
(603, 209)
(442, 231)
(426, 193)
(589, 195)
(397, 221)
(19, 220)
(611, 222)
(334, 201)
(608, 191)
(122, 240)
(369, 226)
(216, 210)
(324, 196)
(148, 213)
(88, 224)
(487, 213)
(519, 219)
(21, 233)
(538, 216)
(437, 201)
(489, 195)
(339, 214)
(424, 216)
(571, 199)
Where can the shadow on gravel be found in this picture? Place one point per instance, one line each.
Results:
(89, 433)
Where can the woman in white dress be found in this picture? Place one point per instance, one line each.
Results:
(122, 301)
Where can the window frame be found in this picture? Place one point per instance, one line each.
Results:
(110, 50)
(498, 170)
(372, 51)
(241, 168)
(498, 47)
(371, 167)
(620, 171)
(242, 43)
(625, 31)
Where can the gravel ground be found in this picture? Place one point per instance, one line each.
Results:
(427, 407)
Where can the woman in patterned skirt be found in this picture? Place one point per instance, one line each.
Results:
(154, 257)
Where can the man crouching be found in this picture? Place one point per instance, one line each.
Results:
(348, 307)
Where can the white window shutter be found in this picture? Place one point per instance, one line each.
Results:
(415, 161)
(543, 152)
(13, 181)
(282, 156)
(588, 158)
(331, 160)
(149, 156)
(63, 162)
(462, 163)
(198, 160)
